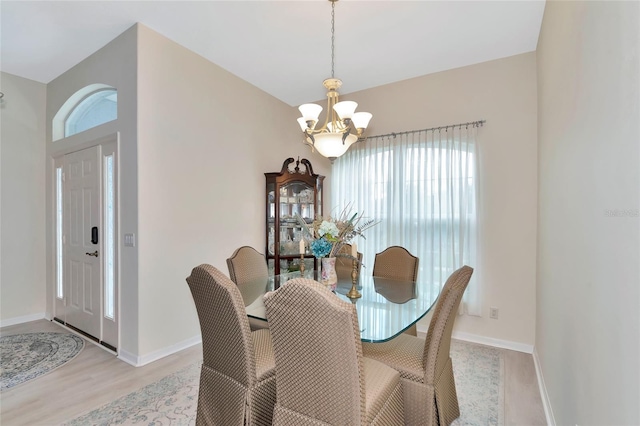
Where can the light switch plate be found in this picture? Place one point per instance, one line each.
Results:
(129, 240)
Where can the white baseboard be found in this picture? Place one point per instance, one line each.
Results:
(128, 357)
(546, 404)
(19, 320)
(489, 341)
(139, 361)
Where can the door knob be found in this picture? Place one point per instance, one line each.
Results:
(95, 253)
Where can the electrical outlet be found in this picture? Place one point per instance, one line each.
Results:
(493, 312)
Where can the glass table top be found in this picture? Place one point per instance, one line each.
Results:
(387, 307)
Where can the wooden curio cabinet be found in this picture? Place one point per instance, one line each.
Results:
(293, 190)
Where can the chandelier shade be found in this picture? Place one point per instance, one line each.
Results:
(345, 109)
(342, 126)
(330, 145)
(310, 112)
(361, 119)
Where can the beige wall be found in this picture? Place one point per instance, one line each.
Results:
(588, 292)
(114, 65)
(205, 140)
(194, 143)
(504, 93)
(22, 170)
(200, 179)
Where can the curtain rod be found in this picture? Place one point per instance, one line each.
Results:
(478, 123)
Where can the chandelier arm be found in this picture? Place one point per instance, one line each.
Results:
(309, 134)
(341, 129)
(337, 125)
(344, 136)
(328, 113)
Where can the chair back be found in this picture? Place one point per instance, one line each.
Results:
(344, 265)
(438, 341)
(248, 269)
(318, 355)
(393, 290)
(227, 345)
(396, 263)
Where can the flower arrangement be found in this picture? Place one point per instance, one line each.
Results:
(327, 235)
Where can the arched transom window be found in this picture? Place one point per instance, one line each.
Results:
(87, 108)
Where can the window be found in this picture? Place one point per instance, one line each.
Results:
(421, 186)
(109, 241)
(89, 107)
(59, 235)
(97, 108)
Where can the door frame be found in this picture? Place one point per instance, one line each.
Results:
(110, 329)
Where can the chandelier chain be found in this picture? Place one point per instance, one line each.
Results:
(333, 38)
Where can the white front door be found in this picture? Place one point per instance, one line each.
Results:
(82, 199)
(86, 252)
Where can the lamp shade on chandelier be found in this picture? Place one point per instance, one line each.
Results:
(342, 125)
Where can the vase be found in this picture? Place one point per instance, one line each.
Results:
(328, 274)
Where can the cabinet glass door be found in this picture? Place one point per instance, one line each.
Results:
(294, 204)
(292, 196)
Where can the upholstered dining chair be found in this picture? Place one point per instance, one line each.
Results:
(425, 364)
(237, 381)
(397, 263)
(321, 376)
(246, 265)
(344, 265)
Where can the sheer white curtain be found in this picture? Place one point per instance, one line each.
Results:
(422, 187)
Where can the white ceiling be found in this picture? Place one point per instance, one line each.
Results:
(282, 47)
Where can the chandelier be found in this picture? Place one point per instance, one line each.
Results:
(342, 125)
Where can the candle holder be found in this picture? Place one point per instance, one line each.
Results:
(354, 293)
(302, 265)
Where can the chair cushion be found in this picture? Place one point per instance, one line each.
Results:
(380, 382)
(402, 353)
(258, 324)
(263, 348)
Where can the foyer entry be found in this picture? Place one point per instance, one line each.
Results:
(85, 222)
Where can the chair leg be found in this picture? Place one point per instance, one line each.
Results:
(412, 331)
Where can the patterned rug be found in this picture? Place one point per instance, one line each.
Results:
(479, 374)
(27, 356)
(173, 400)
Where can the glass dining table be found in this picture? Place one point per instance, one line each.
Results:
(386, 308)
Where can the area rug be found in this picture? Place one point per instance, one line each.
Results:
(173, 400)
(479, 374)
(27, 356)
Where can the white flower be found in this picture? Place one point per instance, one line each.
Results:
(328, 235)
(328, 228)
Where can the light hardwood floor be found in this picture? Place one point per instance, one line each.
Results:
(96, 377)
